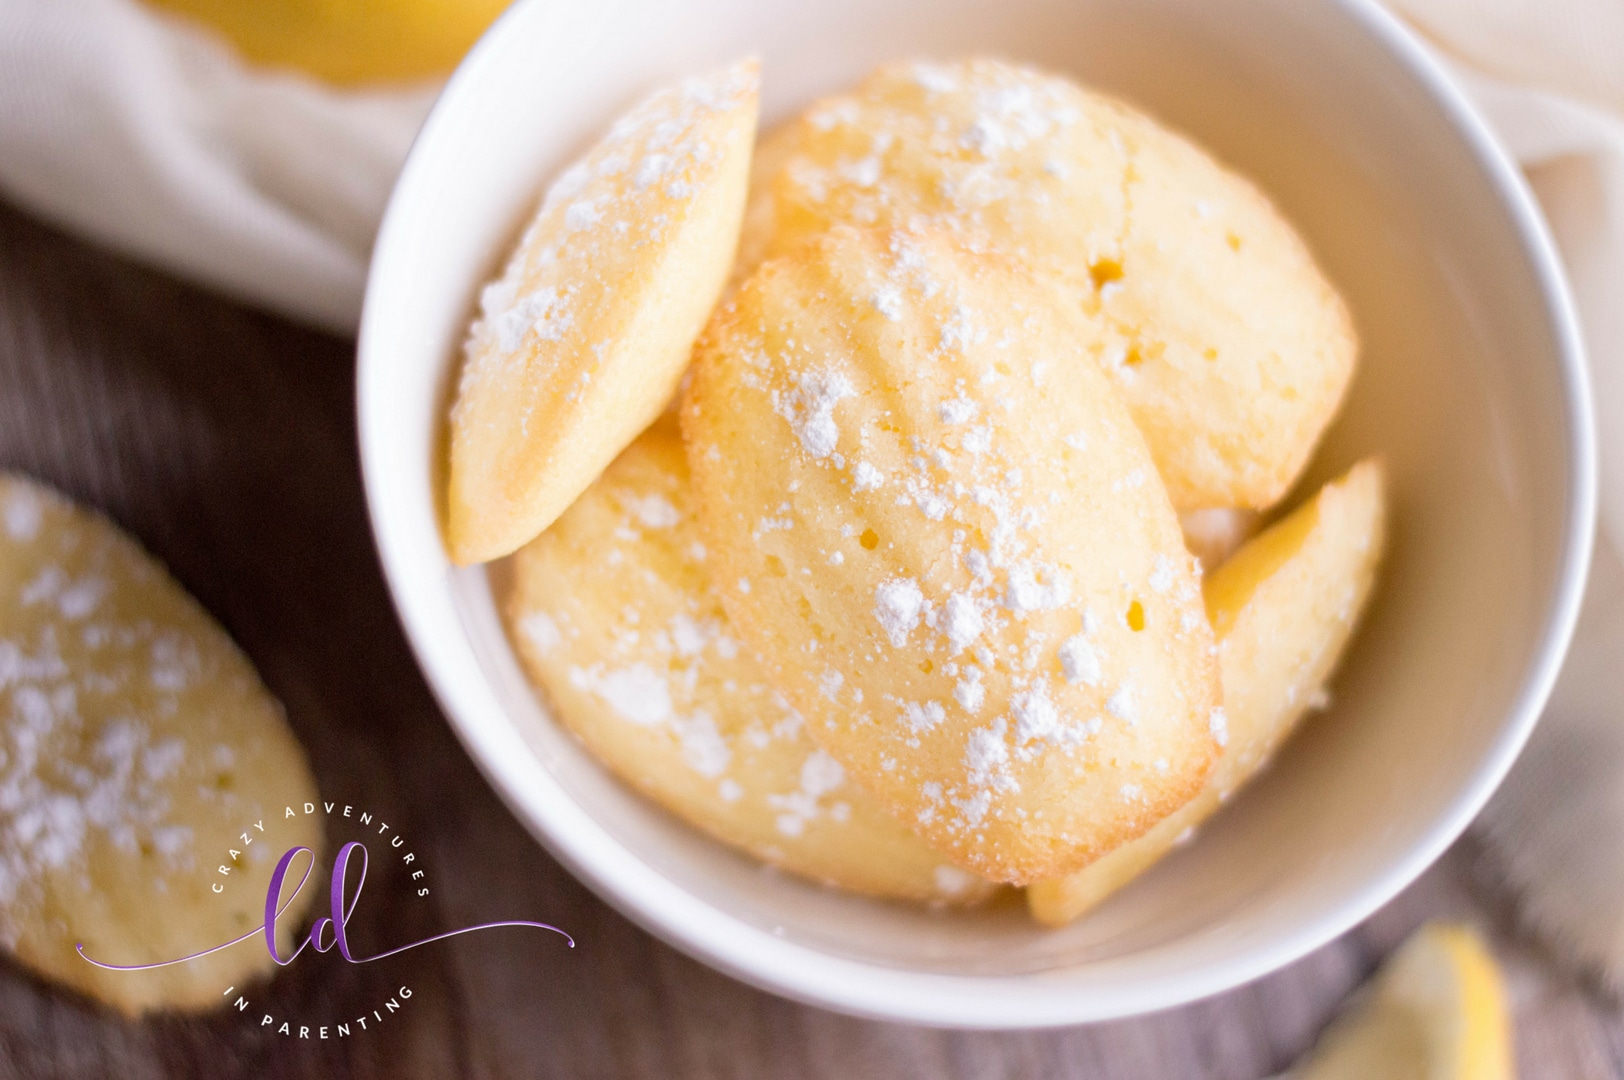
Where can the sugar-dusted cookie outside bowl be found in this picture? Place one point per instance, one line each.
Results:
(1470, 387)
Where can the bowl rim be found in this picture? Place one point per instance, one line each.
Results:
(805, 973)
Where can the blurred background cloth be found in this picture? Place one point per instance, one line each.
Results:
(147, 134)
(1549, 77)
(152, 136)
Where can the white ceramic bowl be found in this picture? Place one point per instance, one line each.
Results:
(1471, 386)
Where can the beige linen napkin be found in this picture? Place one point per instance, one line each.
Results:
(145, 134)
(150, 136)
(1549, 76)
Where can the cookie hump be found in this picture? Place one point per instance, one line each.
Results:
(613, 613)
(1214, 324)
(941, 531)
(582, 340)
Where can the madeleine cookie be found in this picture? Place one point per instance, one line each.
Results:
(613, 612)
(939, 527)
(1230, 346)
(138, 745)
(581, 342)
(1222, 336)
(1283, 609)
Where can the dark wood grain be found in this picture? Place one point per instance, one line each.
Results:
(225, 440)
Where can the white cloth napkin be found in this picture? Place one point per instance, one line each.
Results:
(149, 135)
(1549, 76)
(145, 134)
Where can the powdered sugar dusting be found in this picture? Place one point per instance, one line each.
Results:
(888, 302)
(957, 411)
(1036, 587)
(1124, 705)
(962, 622)
(624, 195)
(987, 127)
(899, 606)
(987, 764)
(1080, 662)
(1162, 575)
(541, 631)
(582, 214)
(114, 688)
(703, 746)
(810, 409)
(653, 511)
(637, 692)
(969, 691)
(510, 320)
(821, 774)
(22, 513)
(935, 78)
(866, 477)
(922, 716)
(1036, 717)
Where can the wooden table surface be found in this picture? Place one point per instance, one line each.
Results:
(225, 439)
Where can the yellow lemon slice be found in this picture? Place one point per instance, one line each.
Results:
(1435, 1011)
(348, 41)
(1283, 608)
(581, 342)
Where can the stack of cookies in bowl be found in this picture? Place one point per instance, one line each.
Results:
(903, 499)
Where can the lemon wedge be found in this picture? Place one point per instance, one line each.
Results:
(348, 41)
(1435, 1011)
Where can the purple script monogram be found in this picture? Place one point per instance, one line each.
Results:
(335, 923)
